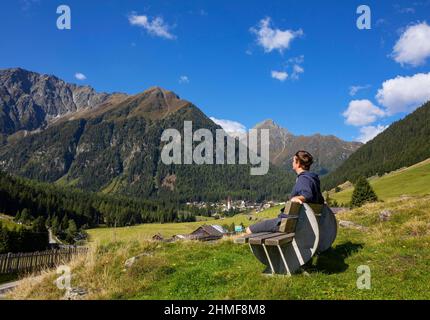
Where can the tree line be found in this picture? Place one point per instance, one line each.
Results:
(66, 208)
(24, 238)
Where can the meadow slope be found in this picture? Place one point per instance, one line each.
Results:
(397, 252)
(411, 181)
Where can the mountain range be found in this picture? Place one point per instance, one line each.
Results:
(329, 151)
(71, 135)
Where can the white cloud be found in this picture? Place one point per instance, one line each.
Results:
(279, 75)
(184, 79)
(369, 132)
(274, 39)
(80, 76)
(362, 112)
(297, 70)
(233, 128)
(413, 46)
(297, 60)
(404, 94)
(353, 90)
(156, 26)
(295, 64)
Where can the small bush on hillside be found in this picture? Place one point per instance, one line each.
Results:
(331, 202)
(363, 193)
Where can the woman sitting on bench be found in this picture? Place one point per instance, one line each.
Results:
(306, 190)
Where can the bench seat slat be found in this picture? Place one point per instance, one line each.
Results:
(279, 240)
(246, 238)
(261, 239)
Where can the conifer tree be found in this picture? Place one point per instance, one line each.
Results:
(25, 216)
(55, 225)
(71, 231)
(363, 193)
(64, 223)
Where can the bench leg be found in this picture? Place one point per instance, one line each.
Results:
(268, 258)
(283, 259)
(297, 251)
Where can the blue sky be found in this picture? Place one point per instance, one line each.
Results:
(245, 61)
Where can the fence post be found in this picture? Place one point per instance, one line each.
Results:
(8, 259)
(2, 263)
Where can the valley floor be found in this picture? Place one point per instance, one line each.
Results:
(396, 251)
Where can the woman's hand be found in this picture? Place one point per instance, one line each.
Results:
(298, 199)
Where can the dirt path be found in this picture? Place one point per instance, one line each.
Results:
(5, 287)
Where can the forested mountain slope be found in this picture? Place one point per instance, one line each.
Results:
(403, 144)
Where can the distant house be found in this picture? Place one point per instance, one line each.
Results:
(181, 237)
(207, 233)
(158, 237)
(219, 228)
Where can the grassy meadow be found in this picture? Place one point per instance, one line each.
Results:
(7, 221)
(397, 252)
(146, 231)
(411, 181)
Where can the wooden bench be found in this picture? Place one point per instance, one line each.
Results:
(309, 228)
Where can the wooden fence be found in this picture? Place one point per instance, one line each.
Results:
(33, 261)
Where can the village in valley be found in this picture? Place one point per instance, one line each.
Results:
(238, 206)
(214, 232)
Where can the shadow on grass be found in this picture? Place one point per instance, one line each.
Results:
(333, 260)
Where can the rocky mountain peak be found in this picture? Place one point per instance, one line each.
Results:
(28, 100)
(329, 151)
(272, 126)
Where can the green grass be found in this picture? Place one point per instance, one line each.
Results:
(113, 186)
(146, 231)
(411, 181)
(397, 252)
(7, 221)
(64, 182)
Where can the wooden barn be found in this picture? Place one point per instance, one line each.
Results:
(207, 233)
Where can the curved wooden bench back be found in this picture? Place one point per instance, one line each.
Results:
(326, 222)
(328, 228)
(309, 228)
(285, 252)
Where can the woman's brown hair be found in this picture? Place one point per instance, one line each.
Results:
(305, 159)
